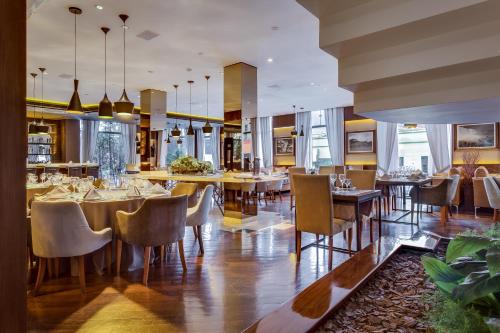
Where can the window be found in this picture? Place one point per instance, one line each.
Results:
(109, 150)
(207, 151)
(174, 150)
(320, 151)
(413, 148)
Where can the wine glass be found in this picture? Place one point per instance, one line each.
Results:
(333, 179)
(342, 180)
(43, 177)
(348, 183)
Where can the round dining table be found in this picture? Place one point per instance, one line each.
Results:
(100, 213)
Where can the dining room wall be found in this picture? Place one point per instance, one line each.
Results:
(355, 123)
(282, 126)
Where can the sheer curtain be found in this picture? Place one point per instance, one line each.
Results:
(303, 150)
(128, 132)
(215, 144)
(266, 138)
(90, 129)
(334, 120)
(255, 137)
(162, 149)
(439, 144)
(387, 147)
(200, 144)
(190, 145)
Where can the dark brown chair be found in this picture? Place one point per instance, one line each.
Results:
(75, 171)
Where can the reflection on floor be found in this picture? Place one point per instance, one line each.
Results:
(246, 273)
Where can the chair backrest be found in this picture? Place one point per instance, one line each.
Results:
(132, 168)
(455, 171)
(327, 170)
(248, 187)
(159, 221)
(313, 203)
(452, 188)
(59, 229)
(293, 171)
(493, 191)
(51, 170)
(362, 179)
(275, 185)
(480, 196)
(202, 209)
(481, 172)
(261, 186)
(189, 189)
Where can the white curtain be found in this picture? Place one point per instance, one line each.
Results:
(215, 144)
(387, 147)
(334, 120)
(303, 149)
(255, 137)
(190, 145)
(162, 149)
(200, 144)
(90, 130)
(128, 132)
(439, 144)
(266, 139)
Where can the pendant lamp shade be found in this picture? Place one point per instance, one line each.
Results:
(179, 141)
(75, 105)
(42, 128)
(301, 131)
(176, 132)
(207, 128)
(33, 127)
(190, 130)
(105, 105)
(124, 105)
(168, 137)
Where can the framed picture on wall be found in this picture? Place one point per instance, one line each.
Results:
(360, 142)
(284, 146)
(476, 136)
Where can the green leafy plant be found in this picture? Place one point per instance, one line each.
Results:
(190, 165)
(469, 275)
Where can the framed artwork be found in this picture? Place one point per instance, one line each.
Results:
(360, 142)
(476, 136)
(284, 146)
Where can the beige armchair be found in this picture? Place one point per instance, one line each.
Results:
(481, 172)
(492, 187)
(158, 222)
(189, 189)
(364, 180)
(198, 215)
(326, 170)
(315, 212)
(60, 229)
(480, 196)
(294, 171)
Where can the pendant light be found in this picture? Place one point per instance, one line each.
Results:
(75, 105)
(207, 129)
(105, 105)
(190, 130)
(42, 128)
(301, 126)
(124, 105)
(33, 128)
(168, 137)
(293, 133)
(176, 132)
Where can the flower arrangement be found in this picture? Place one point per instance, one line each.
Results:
(190, 165)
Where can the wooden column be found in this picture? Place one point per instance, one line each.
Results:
(13, 150)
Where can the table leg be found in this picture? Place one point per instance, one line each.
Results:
(404, 197)
(379, 217)
(358, 226)
(418, 202)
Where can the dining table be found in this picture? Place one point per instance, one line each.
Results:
(100, 213)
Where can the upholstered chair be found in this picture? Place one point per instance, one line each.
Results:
(492, 187)
(440, 195)
(189, 189)
(481, 172)
(326, 170)
(232, 188)
(198, 215)
(364, 180)
(59, 230)
(273, 187)
(247, 188)
(159, 221)
(292, 171)
(314, 211)
(480, 196)
(261, 190)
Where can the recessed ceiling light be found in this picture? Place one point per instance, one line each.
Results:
(312, 83)
(45, 73)
(99, 7)
(189, 69)
(150, 72)
(200, 53)
(269, 59)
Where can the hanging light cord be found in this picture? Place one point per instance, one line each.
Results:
(41, 110)
(34, 94)
(190, 84)
(176, 104)
(105, 62)
(75, 46)
(208, 77)
(124, 28)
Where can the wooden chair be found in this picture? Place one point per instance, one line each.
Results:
(293, 171)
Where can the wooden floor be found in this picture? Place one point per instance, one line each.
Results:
(244, 275)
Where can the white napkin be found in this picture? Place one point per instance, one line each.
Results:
(147, 184)
(58, 192)
(385, 177)
(158, 189)
(92, 194)
(133, 191)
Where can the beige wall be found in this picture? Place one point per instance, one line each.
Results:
(283, 160)
(360, 125)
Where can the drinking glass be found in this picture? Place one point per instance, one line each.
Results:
(342, 180)
(333, 179)
(43, 177)
(348, 183)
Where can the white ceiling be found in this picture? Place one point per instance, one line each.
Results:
(198, 34)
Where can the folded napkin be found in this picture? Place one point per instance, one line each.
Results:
(133, 191)
(72, 188)
(158, 189)
(92, 194)
(147, 184)
(57, 192)
(385, 177)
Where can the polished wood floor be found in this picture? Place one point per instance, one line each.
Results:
(243, 276)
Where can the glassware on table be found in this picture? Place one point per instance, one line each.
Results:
(342, 179)
(333, 179)
(31, 178)
(43, 177)
(348, 183)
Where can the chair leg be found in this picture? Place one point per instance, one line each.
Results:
(412, 210)
(291, 201)
(349, 240)
(109, 251)
(147, 256)
(444, 214)
(118, 256)
(180, 246)
(330, 252)
(495, 214)
(162, 253)
(81, 272)
(298, 246)
(281, 199)
(200, 239)
(371, 230)
(317, 238)
(42, 263)
(195, 232)
(57, 266)
(475, 212)
(50, 271)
